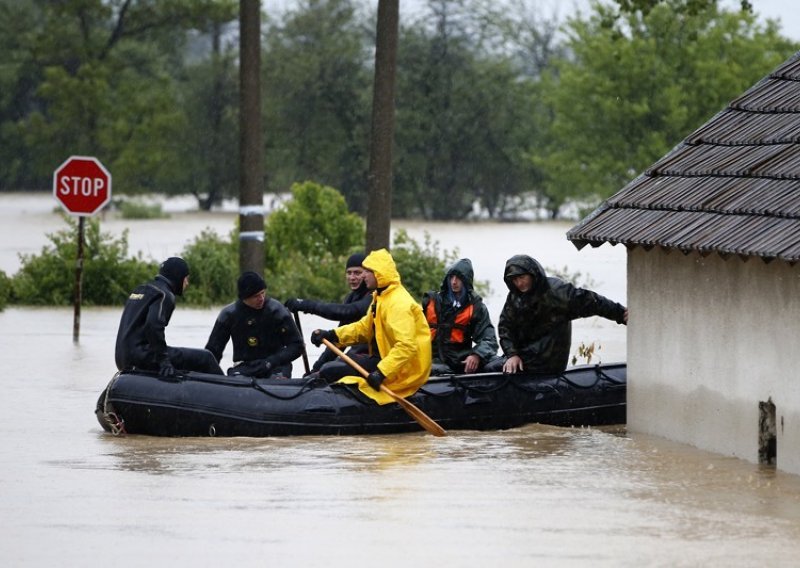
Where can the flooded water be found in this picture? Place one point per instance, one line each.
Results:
(71, 495)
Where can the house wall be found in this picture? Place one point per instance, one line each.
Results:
(708, 339)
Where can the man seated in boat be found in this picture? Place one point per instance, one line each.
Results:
(395, 330)
(462, 334)
(351, 309)
(535, 326)
(141, 343)
(265, 338)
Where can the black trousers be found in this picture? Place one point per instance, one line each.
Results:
(189, 359)
(335, 370)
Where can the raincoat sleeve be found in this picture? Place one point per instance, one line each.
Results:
(402, 336)
(357, 332)
(585, 303)
(483, 334)
(504, 331)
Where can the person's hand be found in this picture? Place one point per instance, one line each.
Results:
(165, 369)
(294, 304)
(375, 378)
(471, 363)
(513, 364)
(318, 335)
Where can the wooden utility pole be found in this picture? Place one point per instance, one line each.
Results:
(251, 191)
(379, 200)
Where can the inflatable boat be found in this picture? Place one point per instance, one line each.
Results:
(197, 404)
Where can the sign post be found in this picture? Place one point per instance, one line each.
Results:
(83, 187)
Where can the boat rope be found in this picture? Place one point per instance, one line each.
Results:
(307, 386)
(115, 422)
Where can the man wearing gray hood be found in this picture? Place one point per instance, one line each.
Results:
(535, 326)
(462, 335)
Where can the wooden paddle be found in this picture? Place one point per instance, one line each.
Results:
(305, 354)
(424, 420)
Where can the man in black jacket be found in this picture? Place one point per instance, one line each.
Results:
(140, 340)
(352, 309)
(535, 326)
(265, 339)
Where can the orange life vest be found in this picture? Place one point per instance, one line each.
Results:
(458, 327)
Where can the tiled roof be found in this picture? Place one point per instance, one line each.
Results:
(731, 187)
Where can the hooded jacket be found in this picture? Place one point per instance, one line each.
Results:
(537, 325)
(473, 337)
(395, 321)
(140, 338)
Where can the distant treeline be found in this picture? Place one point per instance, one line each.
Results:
(499, 106)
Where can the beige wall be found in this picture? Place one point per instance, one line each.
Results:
(707, 340)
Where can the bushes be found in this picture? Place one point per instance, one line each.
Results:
(109, 275)
(307, 242)
(5, 290)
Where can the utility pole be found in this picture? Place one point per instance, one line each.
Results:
(379, 199)
(251, 191)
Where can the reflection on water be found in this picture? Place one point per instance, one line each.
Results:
(538, 495)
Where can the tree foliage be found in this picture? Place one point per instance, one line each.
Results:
(630, 92)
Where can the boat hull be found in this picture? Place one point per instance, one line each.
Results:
(210, 405)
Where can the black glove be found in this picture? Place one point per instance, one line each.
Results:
(318, 335)
(257, 368)
(294, 304)
(375, 378)
(165, 368)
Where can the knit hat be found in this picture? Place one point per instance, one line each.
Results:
(250, 283)
(355, 260)
(174, 269)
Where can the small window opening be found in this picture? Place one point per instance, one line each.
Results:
(767, 433)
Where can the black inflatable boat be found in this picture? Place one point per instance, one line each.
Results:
(197, 404)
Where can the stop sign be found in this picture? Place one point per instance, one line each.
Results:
(82, 185)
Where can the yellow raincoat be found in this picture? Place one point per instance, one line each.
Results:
(400, 329)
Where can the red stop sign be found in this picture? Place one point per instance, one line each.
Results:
(82, 185)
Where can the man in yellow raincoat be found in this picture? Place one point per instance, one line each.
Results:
(396, 325)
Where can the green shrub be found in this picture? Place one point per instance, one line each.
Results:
(421, 268)
(130, 209)
(214, 265)
(307, 242)
(5, 290)
(108, 274)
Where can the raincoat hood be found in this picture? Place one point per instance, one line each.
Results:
(382, 264)
(524, 264)
(461, 268)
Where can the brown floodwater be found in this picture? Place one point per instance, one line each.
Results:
(71, 495)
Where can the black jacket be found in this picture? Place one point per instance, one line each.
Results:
(268, 334)
(537, 325)
(352, 309)
(140, 338)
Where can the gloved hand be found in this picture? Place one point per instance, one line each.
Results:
(318, 335)
(375, 378)
(294, 304)
(165, 368)
(258, 368)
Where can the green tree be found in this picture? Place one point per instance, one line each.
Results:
(96, 77)
(463, 117)
(316, 97)
(632, 90)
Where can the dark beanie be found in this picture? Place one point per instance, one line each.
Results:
(174, 269)
(250, 283)
(355, 260)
